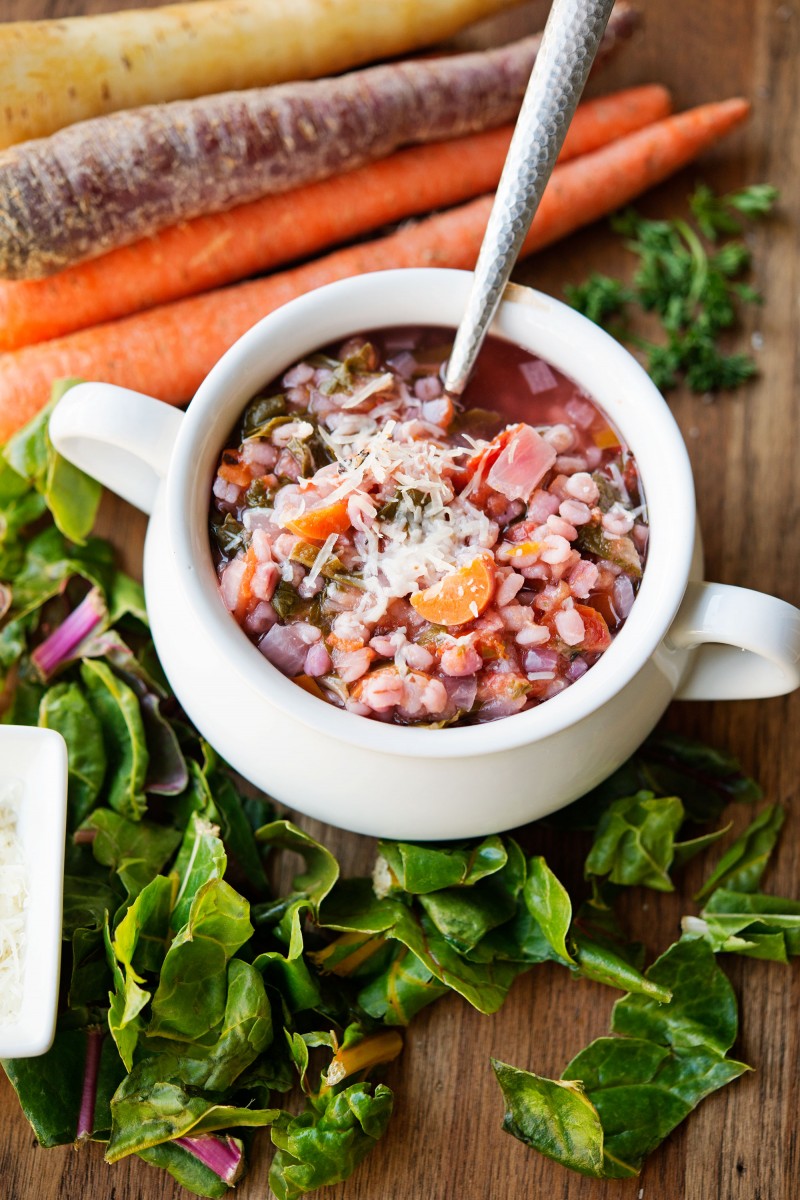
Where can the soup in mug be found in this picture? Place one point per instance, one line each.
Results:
(420, 561)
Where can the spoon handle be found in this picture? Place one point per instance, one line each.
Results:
(569, 45)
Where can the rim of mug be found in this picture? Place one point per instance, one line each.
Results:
(550, 329)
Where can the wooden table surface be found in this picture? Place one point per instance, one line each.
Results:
(445, 1141)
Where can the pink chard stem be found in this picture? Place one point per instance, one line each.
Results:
(94, 1045)
(222, 1155)
(70, 633)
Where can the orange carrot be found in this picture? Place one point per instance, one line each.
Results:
(607, 118)
(210, 251)
(459, 597)
(316, 524)
(588, 188)
(236, 473)
(167, 351)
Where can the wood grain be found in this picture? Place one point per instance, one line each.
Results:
(445, 1141)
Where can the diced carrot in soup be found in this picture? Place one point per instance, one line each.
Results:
(459, 597)
(318, 523)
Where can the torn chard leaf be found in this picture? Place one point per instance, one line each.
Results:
(748, 923)
(621, 1096)
(743, 863)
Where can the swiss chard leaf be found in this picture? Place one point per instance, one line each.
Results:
(635, 840)
(289, 972)
(189, 1003)
(322, 869)
(125, 599)
(71, 496)
(117, 709)
(245, 1033)
(464, 915)
(325, 1144)
(702, 1013)
(24, 707)
(50, 562)
(90, 977)
(621, 1096)
(186, 1169)
(485, 984)
(65, 709)
(167, 772)
(86, 900)
(600, 963)
(20, 505)
(152, 1106)
(143, 936)
(642, 1091)
(419, 870)
(126, 1003)
(749, 923)
(401, 990)
(553, 1116)
(743, 864)
(50, 1087)
(201, 858)
(139, 945)
(549, 904)
(119, 843)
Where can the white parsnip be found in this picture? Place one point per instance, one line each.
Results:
(60, 71)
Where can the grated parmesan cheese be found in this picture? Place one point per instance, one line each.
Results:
(13, 901)
(323, 556)
(432, 531)
(381, 384)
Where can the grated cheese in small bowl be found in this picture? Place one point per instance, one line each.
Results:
(13, 903)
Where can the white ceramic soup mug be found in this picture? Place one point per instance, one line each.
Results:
(683, 637)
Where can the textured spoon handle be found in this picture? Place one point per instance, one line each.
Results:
(569, 45)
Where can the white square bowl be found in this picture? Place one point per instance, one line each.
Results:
(38, 758)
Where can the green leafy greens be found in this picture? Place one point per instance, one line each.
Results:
(621, 1096)
(195, 991)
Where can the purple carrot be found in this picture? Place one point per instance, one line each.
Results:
(222, 1155)
(70, 633)
(115, 179)
(94, 1045)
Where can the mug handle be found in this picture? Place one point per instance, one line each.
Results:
(119, 437)
(747, 644)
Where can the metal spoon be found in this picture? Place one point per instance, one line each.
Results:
(569, 45)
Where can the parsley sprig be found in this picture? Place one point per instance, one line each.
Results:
(690, 276)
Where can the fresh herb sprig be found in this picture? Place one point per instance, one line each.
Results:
(690, 275)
